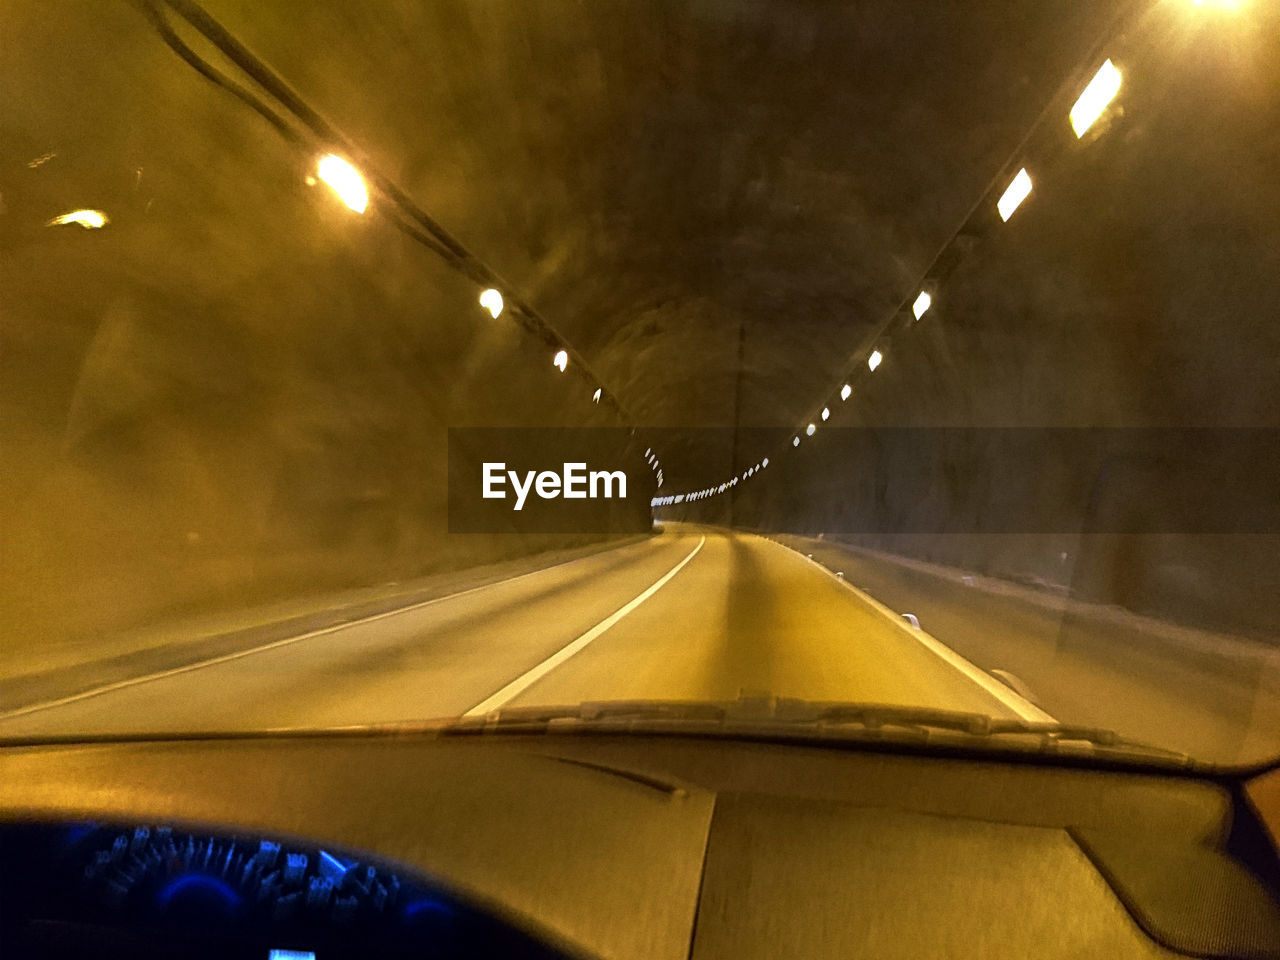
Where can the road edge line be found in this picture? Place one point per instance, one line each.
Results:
(283, 642)
(1024, 709)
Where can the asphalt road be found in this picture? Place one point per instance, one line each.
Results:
(688, 614)
(702, 614)
(1212, 696)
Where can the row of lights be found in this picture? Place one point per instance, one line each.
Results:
(345, 181)
(1095, 98)
(654, 463)
(1097, 95)
(712, 491)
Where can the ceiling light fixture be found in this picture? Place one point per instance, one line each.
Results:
(1017, 191)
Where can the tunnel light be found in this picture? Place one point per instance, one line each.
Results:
(826, 413)
(795, 441)
(1102, 89)
(1014, 194)
(921, 305)
(561, 360)
(595, 397)
(874, 360)
(648, 450)
(764, 462)
(89, 219)
(345, 181)
(491, 300)
(810, 429)
(845, 391)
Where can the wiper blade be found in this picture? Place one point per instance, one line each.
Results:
(763, 714)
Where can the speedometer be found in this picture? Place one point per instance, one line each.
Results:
(160, 891)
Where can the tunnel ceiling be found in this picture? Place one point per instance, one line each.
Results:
(717, 202)
(706, 198)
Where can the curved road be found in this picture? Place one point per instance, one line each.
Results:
(690, 614)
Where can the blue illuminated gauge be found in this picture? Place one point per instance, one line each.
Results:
(95, 890)
(181, 878)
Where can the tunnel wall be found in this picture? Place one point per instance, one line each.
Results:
(238, 389)
(1133, 289)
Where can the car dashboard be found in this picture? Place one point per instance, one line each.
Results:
(622, 847)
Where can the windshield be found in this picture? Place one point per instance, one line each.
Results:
(392, 361)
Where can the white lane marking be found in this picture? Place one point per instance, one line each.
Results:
(1022, 708)
(226, 658)
(523, 682)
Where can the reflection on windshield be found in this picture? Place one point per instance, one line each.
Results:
(444, 363)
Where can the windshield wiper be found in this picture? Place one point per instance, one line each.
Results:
(761, 714)
(751, 716)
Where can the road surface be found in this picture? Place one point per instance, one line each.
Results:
(691, 614)
(702, 614)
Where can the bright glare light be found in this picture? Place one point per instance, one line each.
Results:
(826, 413)
(1014, 194)
(89, 219)
(491, 300)
(873, 361)
(1220, 4)
(921, 304)
(561, 360)
(345, 181)
(845, 391)
(809, 429)
(595, 397)
(1102, 89)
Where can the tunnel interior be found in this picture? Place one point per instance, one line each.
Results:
(237, 389)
